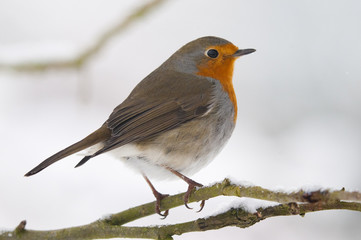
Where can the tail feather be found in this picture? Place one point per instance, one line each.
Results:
(84, 160)
(99, 135)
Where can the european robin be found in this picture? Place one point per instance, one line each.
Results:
(175, 121)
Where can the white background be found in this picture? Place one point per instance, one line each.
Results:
(299, 100)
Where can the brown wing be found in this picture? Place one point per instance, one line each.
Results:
(157, 105)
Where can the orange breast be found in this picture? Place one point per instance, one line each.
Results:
(221, 69)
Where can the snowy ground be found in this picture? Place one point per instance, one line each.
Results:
(299, 99)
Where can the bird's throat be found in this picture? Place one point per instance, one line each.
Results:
(223, 72)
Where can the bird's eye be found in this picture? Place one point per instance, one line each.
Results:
(212, 53)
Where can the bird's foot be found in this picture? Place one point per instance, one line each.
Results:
(159, 197)
(191, 185)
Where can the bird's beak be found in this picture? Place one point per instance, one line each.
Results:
(242, 52)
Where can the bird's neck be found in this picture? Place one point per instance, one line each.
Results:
(223, 72)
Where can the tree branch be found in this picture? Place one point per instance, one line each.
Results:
(88, 53)
(296, 203)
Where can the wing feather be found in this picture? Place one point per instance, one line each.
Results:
(149, 112)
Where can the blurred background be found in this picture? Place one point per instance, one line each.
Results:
(299, 100)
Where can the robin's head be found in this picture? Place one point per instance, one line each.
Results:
(207, 56)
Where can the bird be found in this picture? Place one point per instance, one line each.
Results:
(175, 121)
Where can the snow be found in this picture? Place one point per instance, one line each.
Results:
(247, 204)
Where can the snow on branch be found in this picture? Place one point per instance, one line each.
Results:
(294, 203)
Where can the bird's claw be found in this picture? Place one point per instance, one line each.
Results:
(191, 186)
(163, 215)
(202, 205)
(159, 198)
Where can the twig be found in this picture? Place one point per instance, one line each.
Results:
(88, 53)
(296, 203)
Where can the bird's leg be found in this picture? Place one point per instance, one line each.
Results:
(191, 185)
(158, 196)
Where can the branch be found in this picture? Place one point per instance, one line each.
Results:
(296, 203)
(88, 53)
